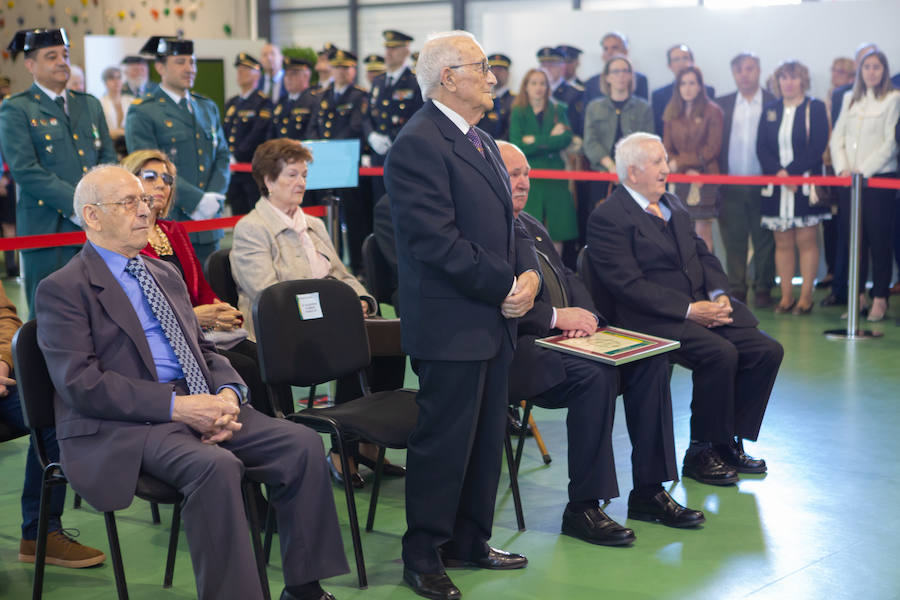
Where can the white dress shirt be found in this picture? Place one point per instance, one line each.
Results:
(742, 159)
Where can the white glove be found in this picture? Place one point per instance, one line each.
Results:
(379, 142)
(210, 204)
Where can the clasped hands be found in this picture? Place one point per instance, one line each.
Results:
(711, 313)
(219, 316)
(215, 417)
(521, 299)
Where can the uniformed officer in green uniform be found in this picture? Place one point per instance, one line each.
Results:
(496, 120)
(187, 127)
(294, 112)
(51, 137)
(248, 117)
(341, 115)
(393, 99)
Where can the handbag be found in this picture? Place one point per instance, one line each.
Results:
(226, 340)
(818, 194)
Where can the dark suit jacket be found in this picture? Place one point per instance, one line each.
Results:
(592, 87)
(457, 254)
(652, 278)
(727, 104)
(262, 82)
(660, 100)
(107, 393)
(534, 369)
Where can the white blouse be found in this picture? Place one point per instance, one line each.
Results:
(863, 138)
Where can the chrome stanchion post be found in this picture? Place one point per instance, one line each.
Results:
(852, 332)
(333, 218)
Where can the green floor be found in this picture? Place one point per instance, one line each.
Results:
(820, 525)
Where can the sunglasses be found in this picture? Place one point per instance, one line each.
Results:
(151, 175)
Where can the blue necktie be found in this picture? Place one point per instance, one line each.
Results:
(476, 141)
(171, 329)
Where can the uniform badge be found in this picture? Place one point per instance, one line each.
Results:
(34, 122)
(53, 121)
(44, 122)
(374, 93)
(230, 111)
(169, 123)
(96, 133)
(49, 149)
(395, 119)
(324, 104)
(278, 110)
(771, 115)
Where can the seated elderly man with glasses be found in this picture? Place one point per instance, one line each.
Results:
(140, 389)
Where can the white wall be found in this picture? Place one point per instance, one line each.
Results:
(813, 32)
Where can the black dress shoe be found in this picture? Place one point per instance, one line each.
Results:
(286, 595)
(832, 300)
(662, 508)
(762, 299)
(707, 467)
(388, 469)
(495, 559)
(595, 526)
(356, 480)
(431, 585)
(733, 455)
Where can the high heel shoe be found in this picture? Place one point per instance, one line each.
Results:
(780, 309)
(800, 310)
(387, 469)
(878, 310)
(356, 480)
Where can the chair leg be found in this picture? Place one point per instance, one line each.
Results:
(539, 440)
(154, 513)
(115, 555)
(252, 517)
(270, 531)
(311, 401)
(373, 501)
(514, 482)
(520, 445)
(173, 545)
(41, 542)
(76, 503)
(351, 513)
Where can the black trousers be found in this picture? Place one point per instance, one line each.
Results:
(734, 369)
(878, 209)
(589, 392)
(453, 458)
(242, 193)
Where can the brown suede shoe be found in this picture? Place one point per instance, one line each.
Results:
(62, 551)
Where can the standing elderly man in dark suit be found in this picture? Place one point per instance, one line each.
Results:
(139, 389)
(665, 281)
(464, 280)
(739, 209)
(588, 389)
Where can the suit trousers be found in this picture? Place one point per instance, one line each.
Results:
(453, 458)
(589, 392)
(734, 369)
(286, 456)
(739, 220)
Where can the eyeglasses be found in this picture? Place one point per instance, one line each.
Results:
(485, 67)
(619, 71)
(129, 203)
(151, 175)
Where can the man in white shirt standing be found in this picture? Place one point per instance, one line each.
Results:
(739, 212)
(272, 81)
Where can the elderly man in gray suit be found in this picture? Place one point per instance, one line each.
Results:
(139, 389)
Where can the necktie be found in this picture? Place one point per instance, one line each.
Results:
(654, 210)
(476, 141)
(183, 103)
(171, 329)
(61, 103)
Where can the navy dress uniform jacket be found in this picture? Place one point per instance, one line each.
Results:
(246, 124)
(496, 120)
(340, 117)
(292, 118)
(391, 107)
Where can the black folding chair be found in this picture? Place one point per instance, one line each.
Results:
(304, 350)
(218, 274)
(36, 395)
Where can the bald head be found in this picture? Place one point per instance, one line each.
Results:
(518, 168)
(109, 199)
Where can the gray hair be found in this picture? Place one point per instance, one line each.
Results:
(110, 72)
(435, 55)
(741, 57)
(616, 34)
(89, 189)
(631, 152)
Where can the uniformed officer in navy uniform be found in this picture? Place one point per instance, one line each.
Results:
(570, 91)
(374, 67)
(393, 99)
(136, 73)
(294, 112)
(247, 119)
(573, 61)
(496, 120)
(188, 128)
(50, 137)
(341, 115)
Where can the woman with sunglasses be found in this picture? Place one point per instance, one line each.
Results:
(168, 241)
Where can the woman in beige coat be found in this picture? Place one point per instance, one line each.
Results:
(277, 242)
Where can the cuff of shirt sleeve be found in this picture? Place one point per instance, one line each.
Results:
(513, 288)
(238, 389)
(553, 319)
(715, 294)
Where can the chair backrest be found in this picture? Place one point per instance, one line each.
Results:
(603, 300)
(555, 288)
(34, 383)
(218, 274)
(379, 275)
(309, 351)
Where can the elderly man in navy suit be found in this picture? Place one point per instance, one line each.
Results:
(665, 281)
(140, 389)
(464, 280)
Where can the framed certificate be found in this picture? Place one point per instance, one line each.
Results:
(611, 345)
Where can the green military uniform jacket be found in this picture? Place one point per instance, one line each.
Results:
(47, 153)
(194, 142)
